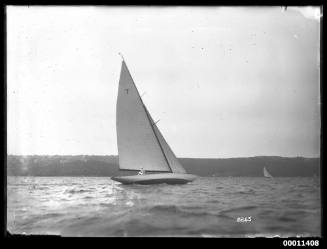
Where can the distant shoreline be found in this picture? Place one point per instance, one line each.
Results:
(36, 165)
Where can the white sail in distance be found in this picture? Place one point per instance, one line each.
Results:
(140, 143)
(266, 173)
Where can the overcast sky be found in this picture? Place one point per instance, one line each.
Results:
(224, 82)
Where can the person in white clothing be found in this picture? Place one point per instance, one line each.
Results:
(141, 171)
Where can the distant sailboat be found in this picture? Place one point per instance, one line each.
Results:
(140, 143)
(266, 173)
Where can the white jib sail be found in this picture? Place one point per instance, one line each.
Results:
(174, 163)
(266, 173)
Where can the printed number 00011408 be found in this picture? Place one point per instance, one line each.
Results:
(300, 242)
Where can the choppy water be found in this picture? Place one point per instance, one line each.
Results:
(209, 206)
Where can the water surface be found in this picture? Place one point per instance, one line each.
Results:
(209, 206)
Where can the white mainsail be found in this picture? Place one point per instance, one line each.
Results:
(266, 173)
(140, 143)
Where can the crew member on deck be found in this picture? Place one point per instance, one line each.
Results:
(142, 172)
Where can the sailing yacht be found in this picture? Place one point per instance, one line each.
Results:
(140, 143)
(266, 173)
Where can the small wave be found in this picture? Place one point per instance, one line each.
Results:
(50, 215)
(238, 209)
(214, 201)
(106, 204)
(286, 219)
(164, 208)
(186, 211)
(250, 191)
(75, 191)
(267, 212)
(38, 188)
(274, 228)
(81, 222)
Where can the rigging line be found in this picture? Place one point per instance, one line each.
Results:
(149, 120)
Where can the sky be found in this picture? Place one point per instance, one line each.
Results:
(224, 81)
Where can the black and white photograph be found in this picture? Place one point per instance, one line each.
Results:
(163, 121)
